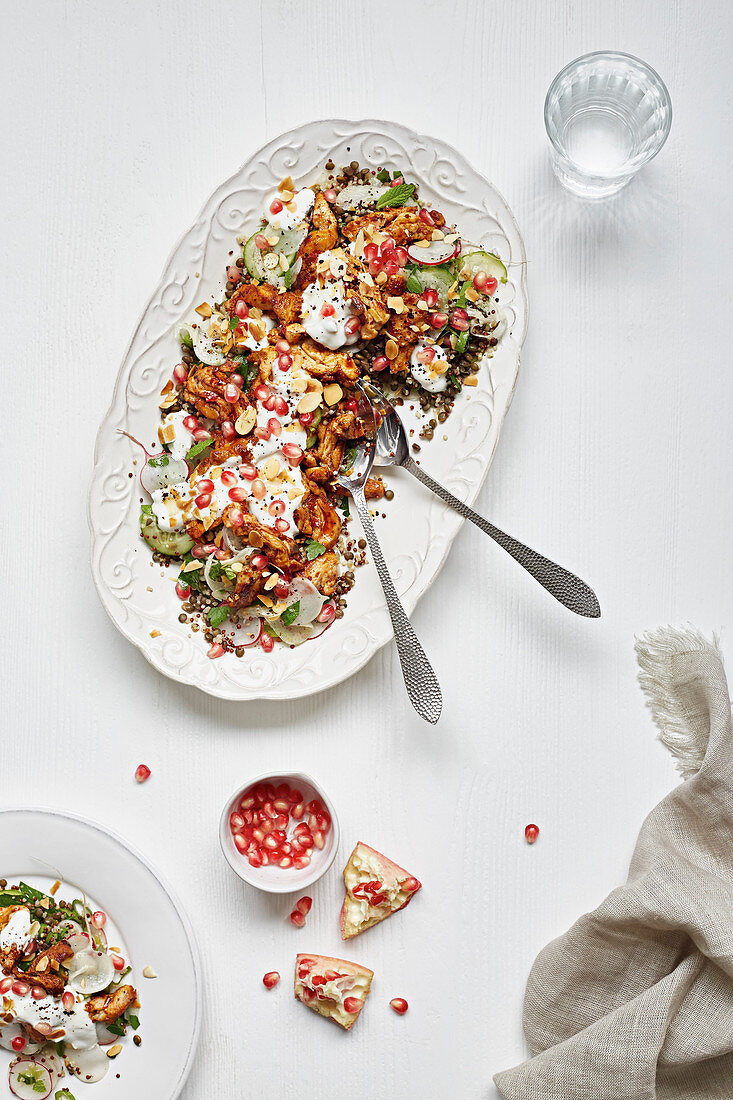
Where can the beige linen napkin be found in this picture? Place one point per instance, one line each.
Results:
(635, 1002)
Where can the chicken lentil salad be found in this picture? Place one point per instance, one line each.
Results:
(352, 276)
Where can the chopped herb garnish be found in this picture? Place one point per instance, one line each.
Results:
(344, 505)
(64, 1094)
(133, 1021)
(461, 342)
(383, 176)
(185, 337)
(233, 324)
(314, 549)
(396, 196)
(198, 449)
(290, 614)
(147, 509)
(217, 615)
(29, 893)
(194, 579)
(229, 573)
(159, 460)
(116, 1027)
(413, 284)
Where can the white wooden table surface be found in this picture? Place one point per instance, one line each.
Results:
(119, 119)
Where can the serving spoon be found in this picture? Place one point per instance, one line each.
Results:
(420, 680)
(393, 450)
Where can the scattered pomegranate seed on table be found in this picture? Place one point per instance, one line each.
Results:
(531, 833)
(399, 1004)
(304, 905)
(271, 979)
(298, 919)
(142, 772)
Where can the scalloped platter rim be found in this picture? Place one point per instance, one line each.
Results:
(417, 529)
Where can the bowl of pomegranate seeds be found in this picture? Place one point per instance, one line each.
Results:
(279, 833)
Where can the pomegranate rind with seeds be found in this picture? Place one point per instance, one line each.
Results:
(358, 913)
(327, 994)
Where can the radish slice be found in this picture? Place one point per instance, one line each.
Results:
(248, 631)
(91, 1065)
(360, 194)
(161, 471)
(104, 1036)
(100, 938)
(51, 1061)
(29, 1080)
(311, 600)
(437, 252)
(204, 346)
(15, 1031)
(69, 928)
(78, 942)
(90, 971)
(291, 635)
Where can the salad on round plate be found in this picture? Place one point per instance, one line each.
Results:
(351, 276)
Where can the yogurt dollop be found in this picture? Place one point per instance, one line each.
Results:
(433, 375)
(329, 330)
(300, 205)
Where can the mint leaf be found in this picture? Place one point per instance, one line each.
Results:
(198, 449)
(383, 176)
(461, 342)
(116, 1027)
(147, 509)
(133, 1021)
(159, 460)
(413, 284)
(233, 324)
(217, 615)
(396, 196)
(314, 549)
(344, 505)
(290, 614)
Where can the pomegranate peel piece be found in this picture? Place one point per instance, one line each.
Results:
(376, 887)
(334, 988)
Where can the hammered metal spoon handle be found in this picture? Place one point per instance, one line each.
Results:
(570, 590)
(420, 680)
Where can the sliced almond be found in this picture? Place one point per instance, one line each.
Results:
(368, 332)
(286, 184)
(271, 581)
(236, 566)
(266, 600)
(271, 261)
(332, 393)
(300, 385)
(284, 265)
(313, 385)
(396, 304)
(246, 421)
(272, 241)
(437, 235)
(167, 387)
(114, 1050)
(472, 380)
(257, 329)
(472, 294)
(451, 238)
(439, 366)
(271, 468)
(166, 433)
(294, 492)
(167, 402)
(153, 634)
(421, 244)
(148, 972)
(367, 278)
(189, 568)
(391, 349)
(309, 402)
(421, 303)
(204, 310)
(287, 194)
(382, 278)
(255, 312)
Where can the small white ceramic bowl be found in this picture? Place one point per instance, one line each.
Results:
(280, 880)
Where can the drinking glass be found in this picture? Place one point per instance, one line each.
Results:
(606, 115)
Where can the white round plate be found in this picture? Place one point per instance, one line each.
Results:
(418, 530)
(144, 920)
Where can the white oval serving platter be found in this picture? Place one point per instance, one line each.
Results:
(418, 529)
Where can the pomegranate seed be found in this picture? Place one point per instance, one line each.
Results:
(306, 419)
(327, 310)
(261, 241)
(275, 206)
(233, 274)
(21, 989)
(203, 500)
(459, 320)
(204, 551)
(117, 962)
(142, 773)
(259, 489)
(491, 285)
(276, 508)
(258, 835)
(235, 517)
(371, 251)
(180, 374)
(249, 473)
(201, 434)
(254, 859)
(281, 804)
(285, 862)
(301, 862)
(262, 393)
(231, 393)
(480, 280)
(271, 843)
(183, 591)
(259, 561)
(531, 833)
(282, 346)
(262, 433)
(282, 525)
(227, 430)
(18, 1042)
(248, 802)
(425, 355)
(287, 848)
(67, 1000)
(190, 423)
(399, 1004)
(236, 822)
(281, 590)
(430, 297)
(205, 485)
(239, 495)
(297, 811)
(314, 807)
(267, 643)
(309, 994)
(352, 1005)
(6, 985)
(426, 216)
(293, 454)
(297, 919)
(285, 362)
(397, 181)
(222, 555)
(99, 919)
(410, 885)
(269, 402)
(274, 427)
(38, 993)
(271, 979)
(304, 905)
(437, 320)
(318, 839)
(391, 268)
(401, 256)
(326, 613)
(329, 195)
(215, 651)
(241, 309)
(228, 477)
(387, 247)
(352, 326)
(376, 267)
(381, 362)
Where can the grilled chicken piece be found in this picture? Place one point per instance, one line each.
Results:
(374, 488)
(107, 1007)
(322, 236)
(323, 572)
(286, 305)
(317, 517)
(328, 366)
(44, 970)
(205, 391)
(402, 223)
(401, 329)
(280, 549)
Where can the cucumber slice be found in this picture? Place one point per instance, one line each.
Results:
(473, 262)
(173, 543)
(289, 243)
(433, 278)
